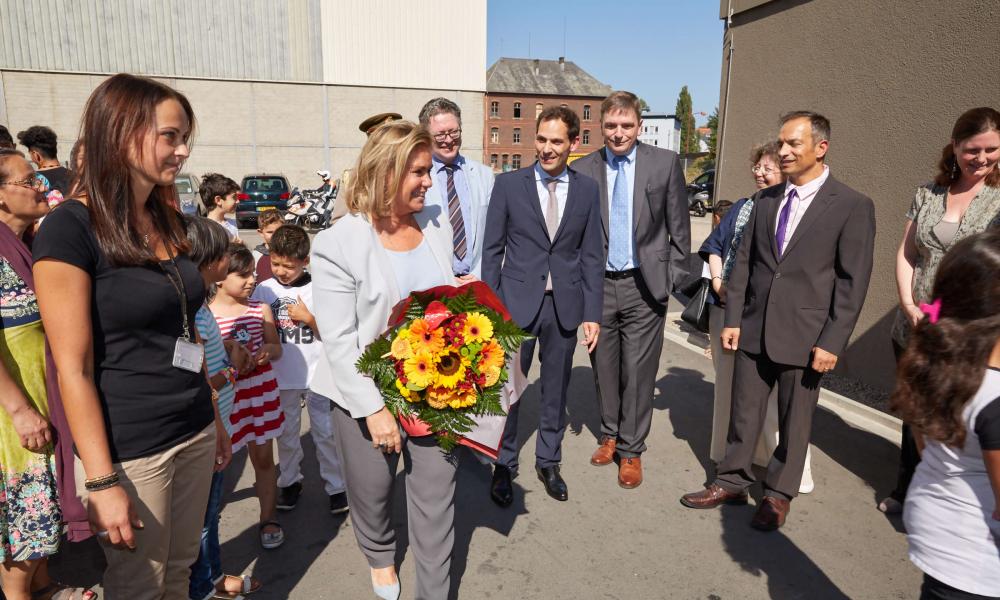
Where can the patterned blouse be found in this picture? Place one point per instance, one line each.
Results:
(926, 212)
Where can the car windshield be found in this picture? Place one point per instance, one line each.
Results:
(265, 184)
(184, 186)
(703, 178)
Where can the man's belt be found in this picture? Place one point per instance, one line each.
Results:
(621, 274)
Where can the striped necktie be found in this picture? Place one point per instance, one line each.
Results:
(455, 214)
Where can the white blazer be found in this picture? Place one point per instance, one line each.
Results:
(480, 178)
(354, 291)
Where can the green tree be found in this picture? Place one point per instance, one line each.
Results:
(685, 114)
(713, 137)
(643, 107)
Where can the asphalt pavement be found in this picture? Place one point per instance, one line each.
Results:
(605, 542)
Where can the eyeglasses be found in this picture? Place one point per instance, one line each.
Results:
(759, 170)
(36, 181)
(454, 134)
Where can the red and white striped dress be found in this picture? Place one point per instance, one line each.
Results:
(257, 415)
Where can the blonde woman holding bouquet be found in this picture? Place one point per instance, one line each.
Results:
(387, 247)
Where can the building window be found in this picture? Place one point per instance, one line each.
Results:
(493, 161)
(586, 112)
(517, 110)
(586, 137)
(495, 135)
(504, 165)
(515, 162)
(494, 110)
(517, 135)
(538, 109)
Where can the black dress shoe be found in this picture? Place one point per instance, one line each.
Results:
(554, 483)
(501, 490)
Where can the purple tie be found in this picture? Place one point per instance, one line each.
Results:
(786, 211)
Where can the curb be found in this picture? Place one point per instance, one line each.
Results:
(852, 412)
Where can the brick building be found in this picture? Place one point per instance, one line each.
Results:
(518, 89)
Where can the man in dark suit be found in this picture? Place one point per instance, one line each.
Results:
(796, 289)
(542, 254)
(647, 239)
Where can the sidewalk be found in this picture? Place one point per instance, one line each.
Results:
(606, 542)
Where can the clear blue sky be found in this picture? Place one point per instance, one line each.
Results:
(650, 47)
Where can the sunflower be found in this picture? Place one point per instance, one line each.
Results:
(490, 356)
(402, 348)
(420, 369)
(478, 328)
(450, 368)
(425, 339)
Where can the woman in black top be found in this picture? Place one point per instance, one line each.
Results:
(118, 299)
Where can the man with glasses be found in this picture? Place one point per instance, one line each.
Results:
(462, 186)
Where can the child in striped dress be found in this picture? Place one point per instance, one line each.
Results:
(257, 417)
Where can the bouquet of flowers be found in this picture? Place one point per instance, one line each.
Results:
(442, 363)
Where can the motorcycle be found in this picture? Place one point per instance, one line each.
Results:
(310, 208)
(697, 203)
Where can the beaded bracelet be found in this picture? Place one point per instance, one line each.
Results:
(104, 482)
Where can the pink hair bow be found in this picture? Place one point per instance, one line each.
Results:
(932, 310)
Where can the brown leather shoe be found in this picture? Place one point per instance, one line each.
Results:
(711, 497)
(770, 514)
(605, 453)
(630, 472)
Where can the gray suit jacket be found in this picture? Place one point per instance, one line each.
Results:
(480, 178)
(813, 293)
(661, 224)
(354, 291)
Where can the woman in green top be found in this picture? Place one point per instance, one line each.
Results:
(961, 201)
(30, 516)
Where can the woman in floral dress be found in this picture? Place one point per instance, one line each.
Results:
(30, 517)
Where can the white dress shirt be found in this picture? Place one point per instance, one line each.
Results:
(562, 190)
(806, 193)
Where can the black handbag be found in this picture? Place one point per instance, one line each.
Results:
(696, 310)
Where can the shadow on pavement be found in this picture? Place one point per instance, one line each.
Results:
(309, 529)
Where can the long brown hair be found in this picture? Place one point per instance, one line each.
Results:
(945, 361)
(116, 119)
(972, 122)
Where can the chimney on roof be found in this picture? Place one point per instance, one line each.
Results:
(562, 63)
(536, 66)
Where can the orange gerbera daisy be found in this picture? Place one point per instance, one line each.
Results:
(402, 348)
(439, 398)
(425, 339)
(491, 356)
(420, 369)
(478, 328)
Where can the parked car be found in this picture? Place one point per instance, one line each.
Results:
(260, 193)
(188, 199)
(700, 192)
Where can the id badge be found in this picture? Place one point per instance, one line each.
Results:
(188, 355)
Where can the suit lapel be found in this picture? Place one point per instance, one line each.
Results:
(570, 204)
(472, 180)
(816, 208)
(772, 223)
(533, 199)
(431, 223)
(639, 185)
(602, 182)
(384, 266)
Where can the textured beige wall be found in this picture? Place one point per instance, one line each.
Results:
(244, 127)
(892, 77)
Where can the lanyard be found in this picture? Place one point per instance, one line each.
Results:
(179, 288)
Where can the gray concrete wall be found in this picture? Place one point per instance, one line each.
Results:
(892, 77)
(244, 127)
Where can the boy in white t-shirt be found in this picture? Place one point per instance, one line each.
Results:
(289, 293)
(219, 195)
